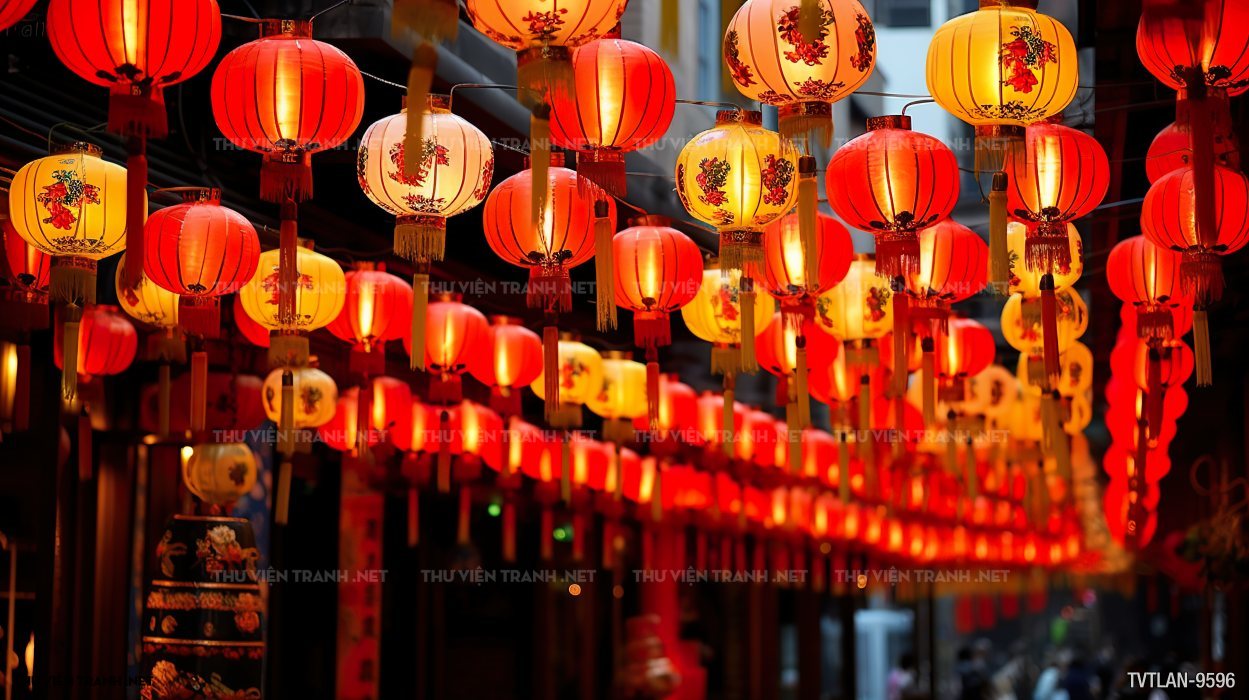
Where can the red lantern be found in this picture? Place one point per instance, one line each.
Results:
(1142, 274)
(106, 342)
(510, 359)
(373, 309)
(965, 350)
(1172, 149)
(1208, 38)
(234, 403)
(454, 333)
(1059, 175)
(287, 96)
(384, 417)
(785, 264)
(136, 48)
(255, 333)
(11, 11)
(893, 182)
(953, 266)
(787, 350)
(200, 250)
(623, 100)
(679, 414)
(28, 268)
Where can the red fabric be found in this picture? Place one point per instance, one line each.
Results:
(372, 310)
(106, 342)
(200, 248)
(954, 263)
(658, 268)
(454, 333)
(773, 347)
(1141, 273)
(1061, 174)
(511, 355)
(1164, 40)
(784, 275)
(1169, 214)
(27, 266)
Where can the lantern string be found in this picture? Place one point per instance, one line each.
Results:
(241, 18)
(912, 103)
(331, 8)
(711, 103)
(87, 131)
(384, 81)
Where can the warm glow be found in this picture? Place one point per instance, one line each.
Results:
(646, 480)
(8, 378)
(780, 510)
(1048, 168)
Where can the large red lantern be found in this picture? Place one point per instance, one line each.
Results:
(136, 48)
(1172, 148)
(1148, 277)
(892, 182)
(623, 100)
(966, 349)
(454, 333)
(785, 264)
(106, 343)
(1059, 175)
(11, 11)
(372, 310)
(287, 96)
(510, 359)
(1207, 39)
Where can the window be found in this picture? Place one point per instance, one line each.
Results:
(903, 13)
(709, 49)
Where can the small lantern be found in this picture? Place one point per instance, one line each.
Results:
(511, 358)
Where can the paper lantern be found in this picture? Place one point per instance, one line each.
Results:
(1059, 175)
(1169, 220)
(622, 397)
(316, 396)
(319, 293)
(255, 333)
(200, 250)
(785, 265)
(12, 11)
(1172, 148)
(1027, 281)
(234, 402)
(452, 174)
(771, 60)
(220, 473)
(454, 333)
(857, 309)
(1207, 38)
(145, 301)
(564, 239)
(510, 358)
(892, 182)
(287, 96)
(623, 101)
(965, 350)
(738, 177)
(71, 205)
(387, 418)
(579, 373)
(953, 266)
(1148, 277)
(1021, 322)
(788, 350)
(658, 271)
(370, 308)
(710, 412)
(106, 342)
(715, 316)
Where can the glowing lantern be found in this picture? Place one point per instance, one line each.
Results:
(106, 343)
(315, 396)
(1206, 39)
(146, 302)
(1172, 149)
(857, 312)
(1169, 220)
(1148, 277)
(623, 101)
(319, 294)
(454, 334)
(786, 266)
(12, 11)
(678, 414)
(369, 314)
(1059, 175)
(156, 306)
(510, 359)
(220, 473)
(200, 251)
(1026, 281)
(787, 350)
(658, 270)
(801, 70)
(385, 416)
(451, 174)
(578, 376)
(892, 182)
(710, 411)
(622, 397)
(27, 267)
(967, 349)
(1021, 326)
(136, 49)
(255, 333)
(287, 96)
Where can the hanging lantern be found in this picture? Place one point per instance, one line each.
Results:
(1208, 39)
(370, 307)
(200, 251)
(788, 351)
(319, 294)
(11, 12)
(220, 473)
(967, 349)
(510, 359)
(146, 302)
(27, 268)
(451, 174)
(622, 398)
(106, 343)
(234, 402)
(70, 206)
(892, 182)
(1147, 277)
(386, 417)
(1059, 175)
(623, 101)
(786, 267)
(455, 333)
(287, 96)
(1172, 148)
(658, 270)
(1022, 329)
(136, 49)
(1002, 68)
(315, 397)
(1026, 281)
(857, 311)
(800, 67)
(578, 377)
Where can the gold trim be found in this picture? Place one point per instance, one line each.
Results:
(207, 586)
(201, 642)
(210, 518)
(891, 121)
(739, 116)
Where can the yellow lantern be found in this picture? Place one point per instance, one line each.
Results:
(1028, 282)
(1000, 69)
(715, 315)
(772, 60)
(1021, 322)
(994, 392)
(146, 302)
(1076, 376)
(580, 378)
(71, 205)
(219, 473)
(857, 310)
(621, 397)
(320, 291)
(315, 394)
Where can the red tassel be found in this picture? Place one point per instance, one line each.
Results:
(200, 316)
(465, 515)
(288, 272)
(547, 533)
(137, 111)
(897, 254)
(605, 168)
(199, 390)
(901, 328)
(85, 451)
(414, 516)
(652, 393)
(509, 531)
(549, 288)
(1154, 394)
(651, 329)
(1049, 329)
(136, 210)
(291, 179)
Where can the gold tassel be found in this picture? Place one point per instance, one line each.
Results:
(604, 266)
(69, 354)
(420, 310)
(929, 382)
(807, 220)
(726, 415)
(843, 468)
(199, 390)
(901, 328)
(565, 469)
(163, 400)
(281, 514)
(1201, 347)
(749, 364)
(999, 251)
(539, 163)
(802, 396)
(550, 371)
(420, 79)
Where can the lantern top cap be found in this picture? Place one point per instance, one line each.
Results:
(739, 116)
(617, 355)
(557, 160)
(1024, 4)
(651, 220)
(891, 121)
(286, 29)
(504, 320)
(569, 336)
(448, 296)
(435, 103)
(201, 195)
(83, 147)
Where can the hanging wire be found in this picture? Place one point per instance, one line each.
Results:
(912, 103)
(712, 103)
(251, 8)
(241, 18)
(384, 81)
(87, 131)
(331, 8)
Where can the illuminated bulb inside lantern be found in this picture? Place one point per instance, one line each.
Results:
(650, 263)
(287, 90)
(134, 36)
(8, 378)
(470, 428)
(367, 298)
(646, 480)
(778, 507)
(1049, 171)
(514, 446)
(611, 80)
(795, 263)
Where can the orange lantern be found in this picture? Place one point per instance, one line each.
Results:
(800, 58)
(511, 358)
(1147, 277)
(454, 334)
(786, 267)
(369, 314)
(893, 182)
(967, 349)
(1172, 148)
(106, 343)
(623, 101)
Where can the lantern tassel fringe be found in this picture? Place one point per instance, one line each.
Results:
(897, 253)
(73, 283)
(814, 128)
(1047, 248)
(749, 362)
(420, 238)
(999, 253)
(420, 311)
(280, 180)
(200, 316)
(604, 168)
(1201, 348)
(604, 267)
(138, 115)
